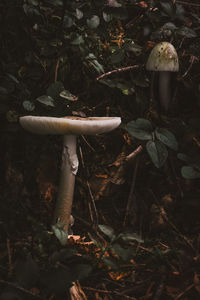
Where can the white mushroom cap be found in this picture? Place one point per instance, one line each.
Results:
(69, 125)
(163, 57)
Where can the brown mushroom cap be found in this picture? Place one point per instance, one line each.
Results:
(163, 57)
(69, 125)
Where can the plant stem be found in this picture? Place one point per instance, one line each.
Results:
(69, 168)
(164, 90)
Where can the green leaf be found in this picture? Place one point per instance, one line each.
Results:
(183, 157)
(134, 48)
(168, 8)
(67, 95)
(120, 13)
(169, 26)
(57, 279)
(189, 172)
(93, 61)
(63, 255)
(81, 271)
(131, 237)
(124, 254)
(28, 105)
(12, 116)
(94, 22)
(110, 262)
(13, 78)
(186, 32)
(60, 233)
(55, 89)
(124, 86)
(107, 17)
(167, 138)
(113, 3)
(46, 100)
(108, 231)
(26, 272)
(67, 22)
(157, 152)
(79, 14)
(78, 40)
(117, 56)
(141, 129)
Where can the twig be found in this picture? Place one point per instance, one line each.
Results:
(184, 292)
(88, 143)
(130, 197)
(93, 202)
(40, 61)
(10, 265)
(192, 58)
(133, 154)
(160, 288)
(56, 70)
(196, 141)
(187, 3)
(135, 20)
(117, 71)
(109, 292)
(20, 289)
(148, 293)
(76, 292)
(90, 192)
(164, 216)
(175, 175)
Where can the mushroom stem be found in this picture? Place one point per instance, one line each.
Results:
(164, 90)
(69, 168)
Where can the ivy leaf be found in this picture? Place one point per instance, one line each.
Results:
(107, 17)
(94, 22)
(78, 40)
(67, 95)
(60, 233)
(46, 100)
(168, 8)
(186, 32)
(67, 22)
(81, 271)
(131, 237)
(94, 62)
(55, 89)
(26, 272)
(117, 56)
(125, 86)
(157, 152)
(189, 172)
(79, 14)
(110, 262)
(167, 138)
(141, 129)
(113, 3)
(28, 105)
(108, 231)
(183, 157)
(124, 254)
(169, 26)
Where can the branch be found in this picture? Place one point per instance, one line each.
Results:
(117, 71)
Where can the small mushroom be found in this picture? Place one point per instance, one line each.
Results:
(163, 59)
(70, 128)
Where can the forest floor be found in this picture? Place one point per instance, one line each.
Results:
(148, 246)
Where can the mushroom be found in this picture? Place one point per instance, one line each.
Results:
(163, 59)
(70, 128)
